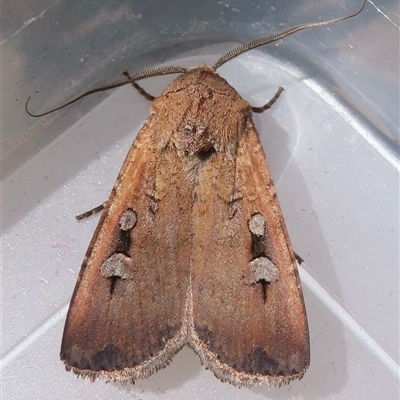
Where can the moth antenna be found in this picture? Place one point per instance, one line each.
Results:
(128, 78)
(272, 38)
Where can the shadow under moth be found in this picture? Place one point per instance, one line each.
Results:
(191, 248)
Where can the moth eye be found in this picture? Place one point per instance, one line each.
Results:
(128, 220)
(263, 269)
(257, 225)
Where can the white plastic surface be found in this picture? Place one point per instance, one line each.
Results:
(338, 186)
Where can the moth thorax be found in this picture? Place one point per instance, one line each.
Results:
(193, 138)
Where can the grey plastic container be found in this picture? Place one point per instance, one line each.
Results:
(331, 141)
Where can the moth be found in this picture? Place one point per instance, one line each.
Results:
(191, 248)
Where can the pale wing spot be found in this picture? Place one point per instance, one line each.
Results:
(128, 220)
(263, 269)
(118, 265)
(257, 225)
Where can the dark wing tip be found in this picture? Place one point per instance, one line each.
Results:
(118, 365)
(254, 368)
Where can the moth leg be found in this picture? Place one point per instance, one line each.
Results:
(270, 103)
(146, 95)
(298, 258)
(93, 211)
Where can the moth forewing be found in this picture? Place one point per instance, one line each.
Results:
(249, 318)
(126, 315)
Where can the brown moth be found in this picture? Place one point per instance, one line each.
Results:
(191, 248)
